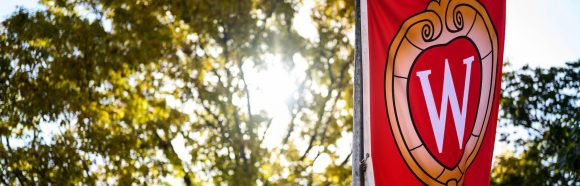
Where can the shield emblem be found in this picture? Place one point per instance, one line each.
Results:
(439, 81)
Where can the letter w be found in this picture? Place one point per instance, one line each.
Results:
(449, 94)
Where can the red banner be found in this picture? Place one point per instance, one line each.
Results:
(431, 82)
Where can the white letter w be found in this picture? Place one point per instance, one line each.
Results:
(449, 94)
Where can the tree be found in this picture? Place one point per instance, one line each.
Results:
(546, 103)
(91, 92)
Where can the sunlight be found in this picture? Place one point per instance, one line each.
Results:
(303, 23)
(270, 90)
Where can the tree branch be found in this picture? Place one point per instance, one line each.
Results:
(300, 106)
(265, 131)
(321, 113)
(173, 157)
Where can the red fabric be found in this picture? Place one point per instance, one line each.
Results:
(384, 20)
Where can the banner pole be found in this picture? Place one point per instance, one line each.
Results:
(358, 166)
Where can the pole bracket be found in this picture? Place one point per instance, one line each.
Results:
(363, 168)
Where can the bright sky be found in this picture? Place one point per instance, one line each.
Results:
(7, 7)
(542, 32)
(538, 32)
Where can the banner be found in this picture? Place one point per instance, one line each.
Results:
(431, 81)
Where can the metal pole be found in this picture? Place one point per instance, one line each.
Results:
(357, 141)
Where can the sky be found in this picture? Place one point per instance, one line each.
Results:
(540, 33)
(9, 6)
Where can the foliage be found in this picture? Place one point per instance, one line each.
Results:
(546, 103)
(92, 91)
